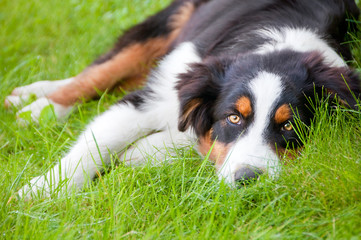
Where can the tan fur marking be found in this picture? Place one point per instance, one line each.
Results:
(243, 105)
(193, 104)
(283, 114)
(184, 13)
(287, 155)
(131, 83)
(129, 63)
(219, 150)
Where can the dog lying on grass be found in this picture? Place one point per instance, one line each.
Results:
(233, 77)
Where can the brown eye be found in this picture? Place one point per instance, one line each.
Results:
(287, 127)
(235, 119)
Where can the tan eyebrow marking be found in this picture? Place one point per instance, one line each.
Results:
(283, 114)
(243, 105)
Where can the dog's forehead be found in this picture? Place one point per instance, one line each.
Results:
(266, 90)
(261, 92)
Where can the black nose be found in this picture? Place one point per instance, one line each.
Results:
(247, 174)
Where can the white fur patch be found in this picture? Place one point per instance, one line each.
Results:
(251, 148)
(300, 40)
(41, 88)
(155, 147)
(37, 106)
(16, 101)
(119, 127)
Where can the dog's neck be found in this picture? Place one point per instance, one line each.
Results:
(300, 40)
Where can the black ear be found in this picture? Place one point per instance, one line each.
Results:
(339, 82)
(198, 90)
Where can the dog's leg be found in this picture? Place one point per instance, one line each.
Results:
(133, 54)
(154, 109)
(108, 134)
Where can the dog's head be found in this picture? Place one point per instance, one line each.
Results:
(246, 108)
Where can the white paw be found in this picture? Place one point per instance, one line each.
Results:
(39, 89)
(36, 187)
(16, 101)
(37, 107)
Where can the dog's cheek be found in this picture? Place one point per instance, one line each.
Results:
(217, 150)
(287, 155)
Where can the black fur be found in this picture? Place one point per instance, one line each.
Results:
(234, 21)
(226, 34)
(153, 27)
(227, 45)
(217, 84)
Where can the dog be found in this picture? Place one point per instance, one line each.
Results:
(232, 77)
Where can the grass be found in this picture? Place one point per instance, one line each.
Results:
(318, 196)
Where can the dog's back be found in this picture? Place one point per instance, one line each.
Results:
(231, 26)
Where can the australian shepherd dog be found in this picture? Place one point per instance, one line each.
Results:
(231, 77)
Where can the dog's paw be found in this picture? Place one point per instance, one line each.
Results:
(36, 108)
(41, 88)
(37, 187)
(21, 95)
(15, 101)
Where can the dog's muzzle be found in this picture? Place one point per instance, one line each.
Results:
(247, 174)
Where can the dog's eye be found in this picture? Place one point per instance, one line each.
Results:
(235, 119)
(287, 127)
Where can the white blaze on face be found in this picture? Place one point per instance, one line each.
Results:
(251, 148)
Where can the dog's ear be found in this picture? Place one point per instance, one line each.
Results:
(339, 82)
(198, 90)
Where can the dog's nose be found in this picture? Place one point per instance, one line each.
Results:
(246, 174)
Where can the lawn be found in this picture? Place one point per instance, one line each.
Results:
(318, 195)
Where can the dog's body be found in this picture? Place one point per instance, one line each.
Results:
(234, 75)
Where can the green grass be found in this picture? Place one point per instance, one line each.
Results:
(317, 196)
